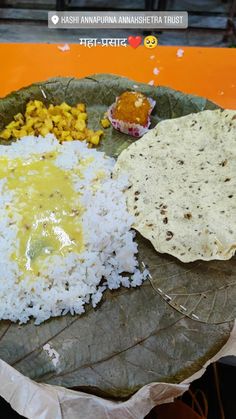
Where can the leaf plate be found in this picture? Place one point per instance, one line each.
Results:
(134, 337)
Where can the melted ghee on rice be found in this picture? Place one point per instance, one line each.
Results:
(49, 209)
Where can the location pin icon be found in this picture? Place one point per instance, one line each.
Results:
(55, 19)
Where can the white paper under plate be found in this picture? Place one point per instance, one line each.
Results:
(43, 401)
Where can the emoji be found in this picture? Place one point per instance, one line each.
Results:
(150, 41)
(134, 41)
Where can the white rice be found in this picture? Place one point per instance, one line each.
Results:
(67, 283)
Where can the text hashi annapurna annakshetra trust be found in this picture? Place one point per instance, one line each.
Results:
(107, 19)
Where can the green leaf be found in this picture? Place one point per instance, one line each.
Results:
(203, 291)
(134, 337)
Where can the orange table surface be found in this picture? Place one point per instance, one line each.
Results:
(208, 72)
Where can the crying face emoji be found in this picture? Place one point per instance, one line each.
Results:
(150, 41)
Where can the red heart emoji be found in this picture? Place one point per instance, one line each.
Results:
(134, 41)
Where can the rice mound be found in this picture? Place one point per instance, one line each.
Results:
(67, 283)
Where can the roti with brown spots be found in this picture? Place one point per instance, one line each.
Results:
(182, 190)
